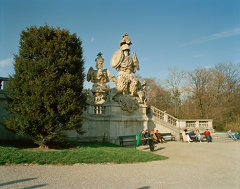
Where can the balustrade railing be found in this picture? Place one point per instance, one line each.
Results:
(99, 110)
(164, 116)
(190, 123)
(158, 113)
(197, 123)
(203, 124)
(172, 120)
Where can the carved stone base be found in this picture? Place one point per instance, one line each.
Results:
(108, 122)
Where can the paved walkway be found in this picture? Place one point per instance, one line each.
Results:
(195, 165)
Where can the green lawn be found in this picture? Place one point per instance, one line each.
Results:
(80, 153)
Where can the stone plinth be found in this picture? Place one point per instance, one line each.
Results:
(108, 122)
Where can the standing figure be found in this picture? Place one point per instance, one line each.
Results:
(127, 83)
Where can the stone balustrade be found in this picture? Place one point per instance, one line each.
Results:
(196, 123)
(157, 113)
(97, 109)
(180, 123)
(162, 115)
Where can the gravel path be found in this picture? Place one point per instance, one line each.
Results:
(195, 165)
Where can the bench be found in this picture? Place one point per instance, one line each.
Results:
(168, 136)
(127, 139)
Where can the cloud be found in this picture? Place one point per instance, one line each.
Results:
(6, 62)
(224, 34)
(92, 39)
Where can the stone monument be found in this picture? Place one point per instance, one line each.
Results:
(122, 110)
(113, 112)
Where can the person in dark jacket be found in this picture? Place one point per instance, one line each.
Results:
(146, 136)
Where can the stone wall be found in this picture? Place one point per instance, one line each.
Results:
(110, 123)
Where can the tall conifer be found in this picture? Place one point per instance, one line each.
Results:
(46, 90)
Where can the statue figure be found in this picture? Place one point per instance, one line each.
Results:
(127, 83)
(99, 78)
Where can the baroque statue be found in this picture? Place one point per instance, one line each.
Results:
(127, 83)
(99, 78)
(129, 91)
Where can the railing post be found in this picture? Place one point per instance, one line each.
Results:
(197, 124)
(165, 118)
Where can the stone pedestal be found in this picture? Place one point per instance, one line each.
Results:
(108, 122)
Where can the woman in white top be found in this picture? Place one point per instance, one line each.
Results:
(186, 137)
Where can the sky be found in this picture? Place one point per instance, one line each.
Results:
(186, 34)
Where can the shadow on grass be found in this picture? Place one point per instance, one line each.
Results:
(23, 144)
(18, 143)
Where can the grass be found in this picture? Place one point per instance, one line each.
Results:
(90, 153)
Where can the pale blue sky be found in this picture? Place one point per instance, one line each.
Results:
(183, 33)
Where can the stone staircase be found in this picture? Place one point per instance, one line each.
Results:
(222, 138)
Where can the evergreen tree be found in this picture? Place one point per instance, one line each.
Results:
(46, 90)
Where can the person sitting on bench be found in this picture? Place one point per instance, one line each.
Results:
(208, 136)
(192, 136)
(198, 136)
(152, 134)
(146, 136)
(159, 137)
(186, 137)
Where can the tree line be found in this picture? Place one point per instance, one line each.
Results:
(204, 93)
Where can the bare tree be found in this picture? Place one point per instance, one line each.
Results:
(174, 85)
(199, 82)
(156, 95)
